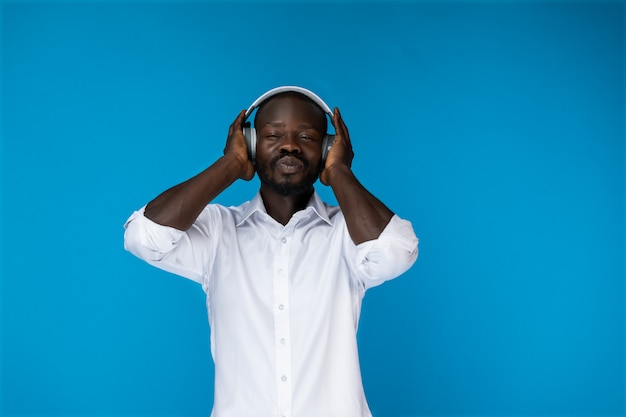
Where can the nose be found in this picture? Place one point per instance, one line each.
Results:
(290, 144)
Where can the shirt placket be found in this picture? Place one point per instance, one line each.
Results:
(282, 327)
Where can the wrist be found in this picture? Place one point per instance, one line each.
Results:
(237, 163)
(336, 172)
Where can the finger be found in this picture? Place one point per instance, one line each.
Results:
(340, 125)
(237, 123)
(239, 119)
(333, 119)
(337, 122)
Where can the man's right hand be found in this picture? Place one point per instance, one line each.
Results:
(237, 148)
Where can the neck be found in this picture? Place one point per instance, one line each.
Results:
(282, 207)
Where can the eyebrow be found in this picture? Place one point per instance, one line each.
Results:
(281, 124)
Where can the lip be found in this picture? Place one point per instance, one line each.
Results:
(289, 164)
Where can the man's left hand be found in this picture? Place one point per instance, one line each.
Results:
(341, 153)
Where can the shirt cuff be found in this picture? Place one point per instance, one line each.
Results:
(389, 256)
(147, 239)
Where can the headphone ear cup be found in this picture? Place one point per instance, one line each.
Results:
(327, 143)
(250, 134)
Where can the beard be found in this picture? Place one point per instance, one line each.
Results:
(288, 185)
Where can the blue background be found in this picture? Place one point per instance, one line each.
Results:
(497, 128)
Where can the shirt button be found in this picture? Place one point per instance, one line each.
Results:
(283, 378)
(281, 307)
(280, 272)
(284, 240)
(282, 341)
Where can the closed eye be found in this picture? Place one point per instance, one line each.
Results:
(309, 137)
(273, 136)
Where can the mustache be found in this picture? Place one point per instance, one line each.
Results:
(291, 154)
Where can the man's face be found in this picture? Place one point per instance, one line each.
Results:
(290, 131)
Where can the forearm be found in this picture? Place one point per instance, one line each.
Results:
(366, 216)
(179, 206)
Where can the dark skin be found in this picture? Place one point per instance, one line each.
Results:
(289, 152)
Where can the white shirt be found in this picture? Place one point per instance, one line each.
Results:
(283, 301)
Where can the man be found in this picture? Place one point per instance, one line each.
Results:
(284, 274)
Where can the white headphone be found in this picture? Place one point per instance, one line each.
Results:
(250, 132)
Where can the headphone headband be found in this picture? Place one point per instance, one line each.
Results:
(274, 91)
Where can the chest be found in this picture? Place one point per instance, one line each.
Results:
(262, 269)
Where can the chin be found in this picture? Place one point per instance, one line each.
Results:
(287, 187)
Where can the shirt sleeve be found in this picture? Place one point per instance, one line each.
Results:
(389, 256)
(184, 253)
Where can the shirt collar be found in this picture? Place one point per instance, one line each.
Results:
(256, 204)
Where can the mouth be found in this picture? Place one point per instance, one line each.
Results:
(289, 164)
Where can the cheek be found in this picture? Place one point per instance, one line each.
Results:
(315, 163)
(263, 154)
(313, 150)
(315, 157)
(262, 165)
